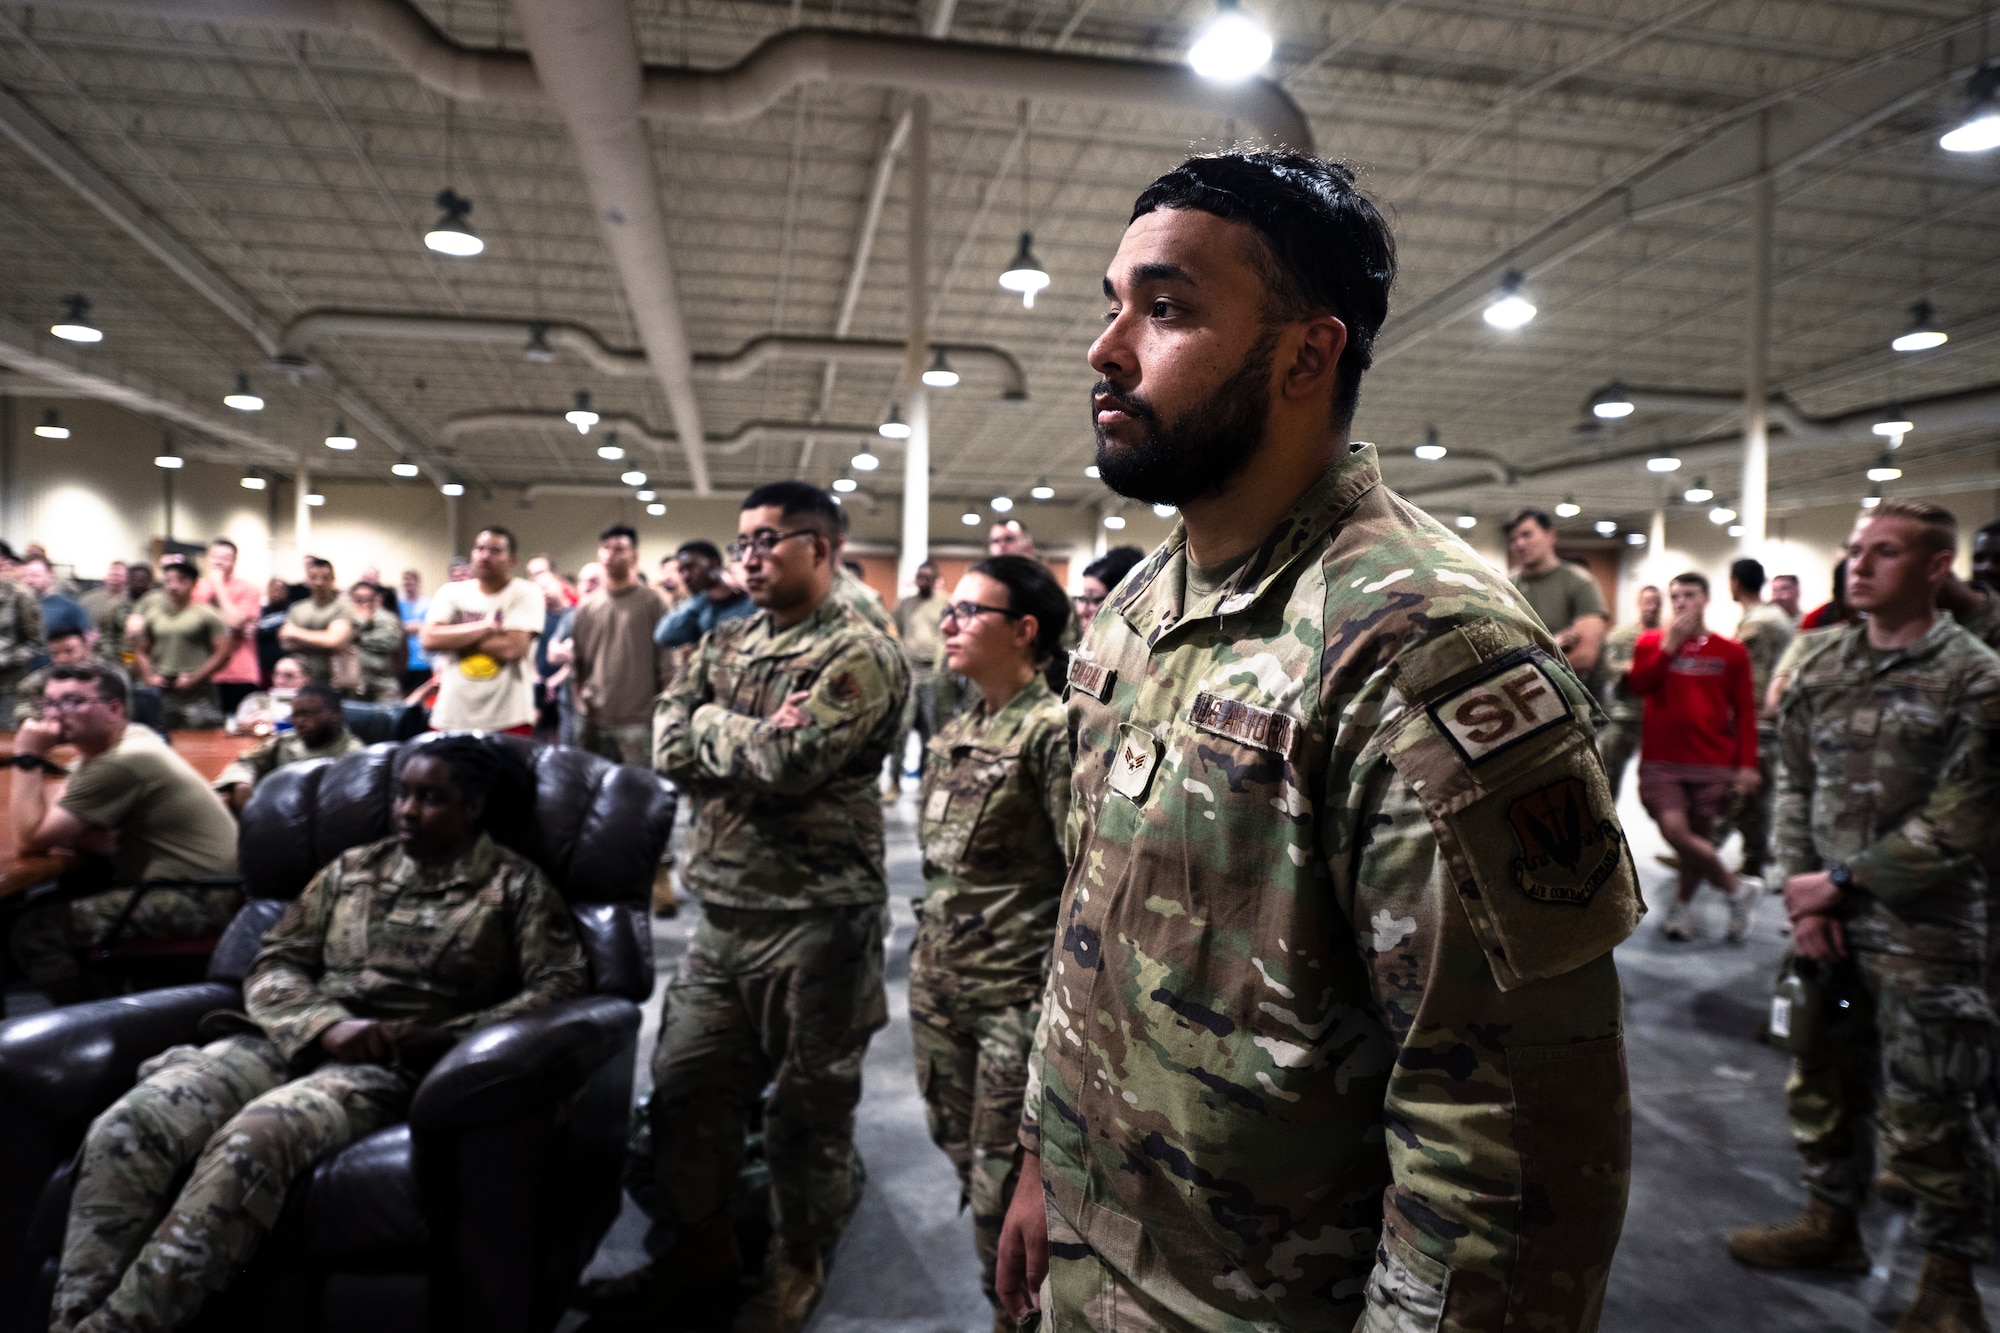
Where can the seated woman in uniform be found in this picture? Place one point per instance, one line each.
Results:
(994, 802)
(346, 1011)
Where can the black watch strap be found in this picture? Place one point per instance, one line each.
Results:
(33, 763)
(1842, 877)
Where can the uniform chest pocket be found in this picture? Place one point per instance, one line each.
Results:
(458, 937)
(346, 944)
(956, 800)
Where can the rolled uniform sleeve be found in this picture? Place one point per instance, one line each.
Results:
(281, 993)
(1938, 845)
(844, 704)
(545, 945)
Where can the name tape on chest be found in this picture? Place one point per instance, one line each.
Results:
(937, 805)
(1501, 711)
(1247, 724)
(1091, 679)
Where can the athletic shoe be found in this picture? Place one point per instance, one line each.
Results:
(1743, 907)
(1677, 927)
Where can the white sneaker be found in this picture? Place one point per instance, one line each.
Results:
(1743, 907)
(1676, 926)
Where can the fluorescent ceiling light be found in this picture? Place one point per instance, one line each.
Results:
(452, 489)
(633, 478)
(970, 520)
(845, 485)
(1232, 47)
(1664, 463)
(405, 469)
(171, 462)
(865, 461)
(1114, 521)
(1605, 527)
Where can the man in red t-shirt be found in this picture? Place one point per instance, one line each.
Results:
(1698, 749)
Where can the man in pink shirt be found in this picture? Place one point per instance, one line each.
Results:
(239, 603)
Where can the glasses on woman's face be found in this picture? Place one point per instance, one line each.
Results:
(1084, 599)
(964, 613)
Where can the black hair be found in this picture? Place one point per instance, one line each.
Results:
(1693, 580)
(705, 549)
(380, 592)
(1033, 591)
(7, 552)
(1111, 568)
(513, 547)
(178, 564)
(1748, 574)
(482, 770)
(320, 690)
(1326, 248)
(1541, 517)
(625, 530)
(66, 632)
(853, 567)
(800, 502)
(111, 682)
(312, 562)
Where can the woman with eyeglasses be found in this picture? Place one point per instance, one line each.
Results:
(1100, 576)
(994, 801)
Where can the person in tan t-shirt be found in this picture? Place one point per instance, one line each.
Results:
(615, 664)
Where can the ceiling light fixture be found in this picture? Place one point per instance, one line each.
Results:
(453, 235)
(610, 451)
(315, 499)
(405, 469)
(1894, 426)
(171, 462)
(1735, 529)
(1884, 470)
(1569, 508)
(970, 520)
(243, 400)
(656, 509)
(1721, 514)
(940, 375)
(452, 489)
(1698, 493)
(581, 416)
(77, 328)
(1923, 333)
(1605, 527)
(845, 485)
(1091, 472)
(646, 495)
(1000, 504)
(538, 349)
(1635, 539)
(895, 428)
(52, 427)
(1115, 522)
(1613, 402)
(1430, 450)
(1232, 47)
(340, 439)
(1041, 490)
(1979, 132)
(1873, 498)
(1664, 463)
(864, 462)
(1164, 511)
(633, 478)
(1024, 273)
(1466, 522)
(252, 482)
(1509, 309)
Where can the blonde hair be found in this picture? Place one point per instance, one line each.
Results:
(1939, 525)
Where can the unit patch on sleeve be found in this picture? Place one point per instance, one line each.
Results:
(1491, 715)
(1568, 850)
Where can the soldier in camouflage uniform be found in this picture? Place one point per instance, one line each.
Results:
(993, 806)
(1332, 1037)
(1765, 632)
(776, 731)
(67, 647)
(1624, 711)
(317, 733)
(1891, 752)
(347, 1006)
(381, 642)
(20, 638)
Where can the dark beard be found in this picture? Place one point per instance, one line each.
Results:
(1203, 449)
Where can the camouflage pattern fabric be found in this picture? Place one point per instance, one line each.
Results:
(1891, 763)
(27, 697)
(254, 765)
(859, 598)
(135, 1256)
(972, 1069)
(47, 939)
(1617, 743)
(1984, 624)
(195, 708)
(992, 813)
(374, 935)
(1765, 633)
(784, 818)
(785, 999)
(384, 648)
(1912, 1064)
(1620, 704)
(20, 633)
(108, 611)
(460, 945)
(1336, 935)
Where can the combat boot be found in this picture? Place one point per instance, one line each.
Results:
(702, 1269)
(1825, 1236)
(1946, 1301)
(792, 1286)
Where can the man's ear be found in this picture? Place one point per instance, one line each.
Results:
(1315, 359)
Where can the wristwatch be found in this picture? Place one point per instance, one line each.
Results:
(34, 763)
(1842, 877)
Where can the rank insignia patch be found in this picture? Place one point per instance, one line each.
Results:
(1567, 850)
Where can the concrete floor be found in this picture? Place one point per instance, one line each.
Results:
(1710, 1149)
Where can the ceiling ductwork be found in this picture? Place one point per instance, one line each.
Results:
(756, 83)
(315, 327)
(746, 436)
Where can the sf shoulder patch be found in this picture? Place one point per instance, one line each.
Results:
(1568, 849)
(1498, 713)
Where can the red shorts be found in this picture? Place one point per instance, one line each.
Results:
(1694, 789)
(526, 729)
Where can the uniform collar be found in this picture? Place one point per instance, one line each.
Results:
(472, 867)
(1000, 728)
(1857, 652)
(1155, 601)
(829, 612)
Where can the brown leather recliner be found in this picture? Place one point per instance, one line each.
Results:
(481, 1210)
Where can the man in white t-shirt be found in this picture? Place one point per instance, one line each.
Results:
(480, 635)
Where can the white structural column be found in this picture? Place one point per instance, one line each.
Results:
(917, 411)
(451, 520)
(302, 514)
(1752, 507)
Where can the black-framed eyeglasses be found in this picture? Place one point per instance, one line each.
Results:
(763, 543)
(1085, 599)
(964, 612)
(69, 703)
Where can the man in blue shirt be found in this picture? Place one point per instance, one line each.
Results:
(711, 600)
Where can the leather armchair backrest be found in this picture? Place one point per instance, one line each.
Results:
(372, 723)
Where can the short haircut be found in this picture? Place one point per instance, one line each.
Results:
(1523, 514)
(38, 559)
(178, 564)
(318, 562)
(224, 541)
(1111, 568)
(1650, 587)
(1692, 580)
(705, 549)
(1748, 574)
(513, 547)
(801, 503)
(1793, 577)
(320, 690)
(931, 565)
(380, 592)
(1940, 525)
(113, 686)
(1033, 591)
(483, 770)
(66, 632)
(625, 530)
(1324, 247)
